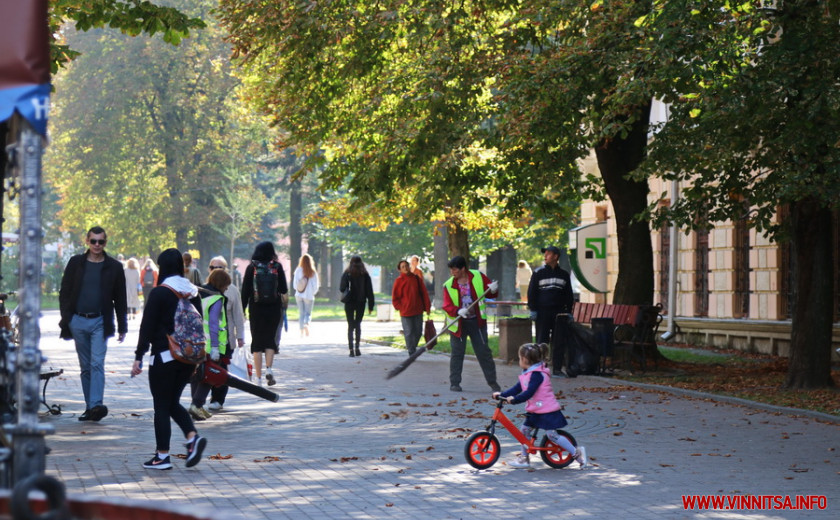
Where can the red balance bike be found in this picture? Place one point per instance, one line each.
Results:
(483, 448)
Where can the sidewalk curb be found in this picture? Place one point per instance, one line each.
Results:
(724, 398)
(834, 419)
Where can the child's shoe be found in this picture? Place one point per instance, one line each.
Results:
(580, 456)
(269, 378)
(520, 462)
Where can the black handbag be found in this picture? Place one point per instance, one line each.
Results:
(345, 294)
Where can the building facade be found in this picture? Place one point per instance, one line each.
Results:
(733, 284)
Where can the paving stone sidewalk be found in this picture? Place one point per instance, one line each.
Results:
(344, 442)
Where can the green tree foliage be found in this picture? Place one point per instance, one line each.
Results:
(143, 133)
(243, 204)
(395, 95)
(755, 131)
(132, 17)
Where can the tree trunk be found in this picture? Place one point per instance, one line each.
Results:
(813, 296)
(441, 259)
(458, 240)
(336, 270)
(617, 158)
(232, 241)
(315, 249)
(295, 233)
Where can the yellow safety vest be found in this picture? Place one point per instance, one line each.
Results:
(455, 296)
(223, 333)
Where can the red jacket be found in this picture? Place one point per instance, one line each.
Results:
(409, 295)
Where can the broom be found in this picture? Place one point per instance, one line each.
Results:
(419, 352)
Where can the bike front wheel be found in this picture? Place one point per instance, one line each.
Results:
(482, 450)
(554, 455)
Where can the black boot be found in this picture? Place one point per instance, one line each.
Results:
(358, 352)
(352, 354)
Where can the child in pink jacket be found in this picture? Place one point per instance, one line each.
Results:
(534, 389)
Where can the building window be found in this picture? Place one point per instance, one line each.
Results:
(664, 264)
(701, 273)
(742, 269)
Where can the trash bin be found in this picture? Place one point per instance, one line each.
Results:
(513, 332)
(383, 311)
(603, 329)
(560, 338)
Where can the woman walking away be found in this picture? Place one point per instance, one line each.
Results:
(236, 328)
(357, 280)
(543, 410)
(167, 377)
(263, 285)
(148, 278)
(132, 287)
(306, 285)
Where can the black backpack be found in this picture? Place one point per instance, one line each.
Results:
(266, 276)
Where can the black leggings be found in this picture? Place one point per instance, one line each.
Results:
(354, 313)
(167, 382)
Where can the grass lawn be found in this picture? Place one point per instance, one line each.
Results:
(751, 376)
(442, 343)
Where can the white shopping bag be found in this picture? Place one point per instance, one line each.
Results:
(241, 364)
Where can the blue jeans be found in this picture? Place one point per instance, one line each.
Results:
(89, 336)
(305, 311)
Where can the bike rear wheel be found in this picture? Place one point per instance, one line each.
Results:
(554, 455)
(482, 450)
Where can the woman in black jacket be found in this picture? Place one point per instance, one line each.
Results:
(167, 377)
(357, 279)
(266, 310)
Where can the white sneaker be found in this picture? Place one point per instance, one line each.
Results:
(259, 381)
(214, 406)
(520, 462)
(580, 456)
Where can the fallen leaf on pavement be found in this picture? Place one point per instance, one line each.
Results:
(219, 456)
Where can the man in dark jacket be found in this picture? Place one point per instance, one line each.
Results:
(549, 294)
(92, 290)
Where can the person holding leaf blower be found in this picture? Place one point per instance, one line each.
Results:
(464, 296)
(219, 345)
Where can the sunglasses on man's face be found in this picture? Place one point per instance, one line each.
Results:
(97, 241)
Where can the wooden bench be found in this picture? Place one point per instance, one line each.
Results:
(634, 328)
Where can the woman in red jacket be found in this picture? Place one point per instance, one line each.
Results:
(410, 297)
